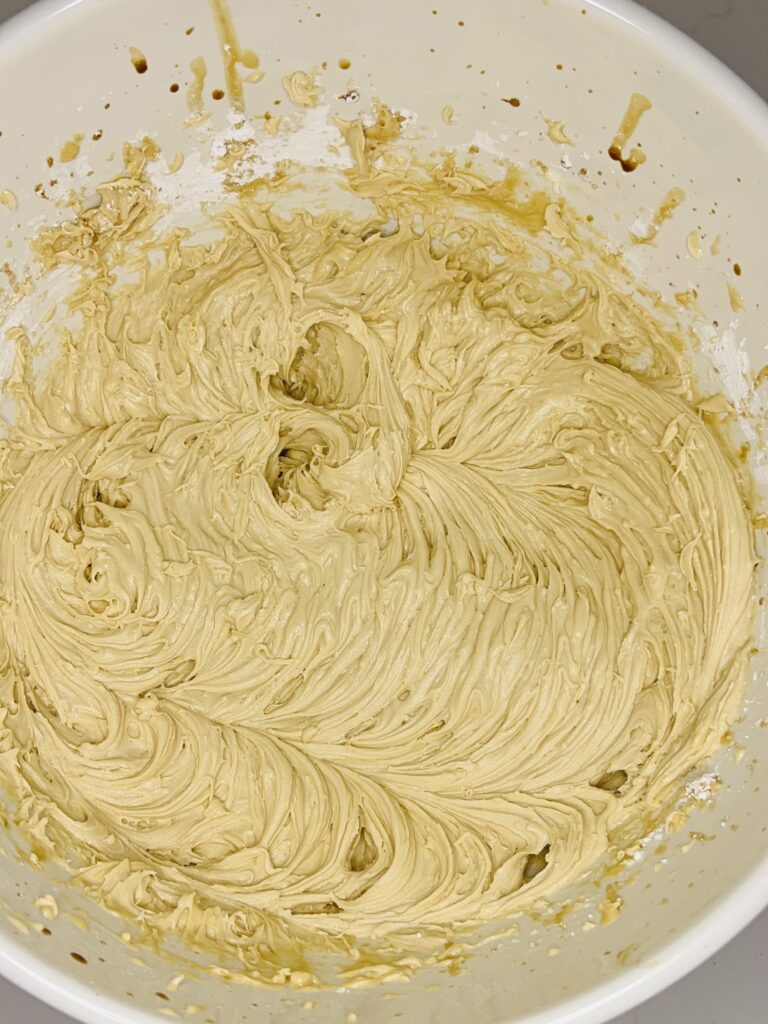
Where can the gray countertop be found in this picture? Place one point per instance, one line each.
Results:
(732, 988)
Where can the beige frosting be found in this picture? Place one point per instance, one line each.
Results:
(363, 580)
(301, 88)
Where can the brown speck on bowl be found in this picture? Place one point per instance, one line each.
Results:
(139, 61)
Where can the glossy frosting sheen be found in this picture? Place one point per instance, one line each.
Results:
(363, 579)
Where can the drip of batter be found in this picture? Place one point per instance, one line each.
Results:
(363, 580)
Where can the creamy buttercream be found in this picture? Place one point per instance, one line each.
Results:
(363, 578)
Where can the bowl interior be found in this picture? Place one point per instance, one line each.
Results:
(66, 71)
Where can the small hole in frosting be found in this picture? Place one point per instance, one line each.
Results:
(363, 852)
(535, 864)
(612, 781)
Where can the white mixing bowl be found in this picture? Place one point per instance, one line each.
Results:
(576, 61)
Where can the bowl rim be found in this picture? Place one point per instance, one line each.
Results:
(733, 910)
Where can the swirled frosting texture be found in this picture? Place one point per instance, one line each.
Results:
(357, 582)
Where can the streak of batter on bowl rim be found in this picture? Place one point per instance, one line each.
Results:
(366, 577)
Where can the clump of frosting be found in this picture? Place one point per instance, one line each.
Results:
(364, 578)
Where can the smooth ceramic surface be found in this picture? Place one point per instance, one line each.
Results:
(707, 133)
